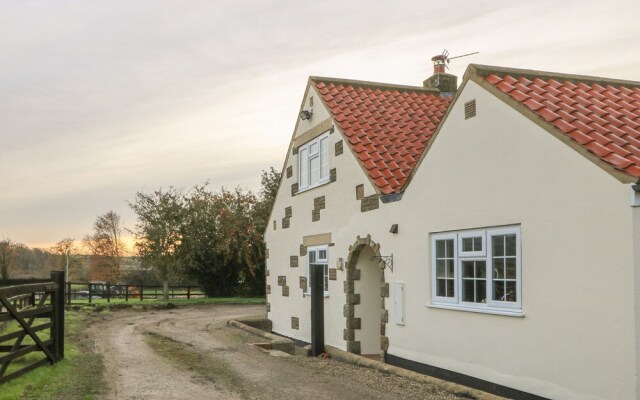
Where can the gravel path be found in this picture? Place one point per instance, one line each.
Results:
(227, 367)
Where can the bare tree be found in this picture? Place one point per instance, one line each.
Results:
(7, 249)
(65, 248)
(106, 247)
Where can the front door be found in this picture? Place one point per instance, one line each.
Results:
(316, 274)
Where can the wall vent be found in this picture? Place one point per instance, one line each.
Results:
(470, 109)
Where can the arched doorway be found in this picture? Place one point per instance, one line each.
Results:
(365, 305)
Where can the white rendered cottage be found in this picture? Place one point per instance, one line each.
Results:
(509, 210)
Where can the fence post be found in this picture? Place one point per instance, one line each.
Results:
(126, 293)
(69, 293)
(108, 293)
(188, 292)
(141, 292)
(90, 292)
(58, 312)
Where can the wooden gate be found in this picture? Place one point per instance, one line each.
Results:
(20, 307)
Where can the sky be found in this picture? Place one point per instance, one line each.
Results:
(103, 99)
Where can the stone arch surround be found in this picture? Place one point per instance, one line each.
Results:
(352, 299)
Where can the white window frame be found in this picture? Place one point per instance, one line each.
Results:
(434, 281)
(490, 306)
(304, 163)
(504, 304)
(324, 261)
(473, 234)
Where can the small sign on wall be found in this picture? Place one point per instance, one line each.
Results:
(398, 296)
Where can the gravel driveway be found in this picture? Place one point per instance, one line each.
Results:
(190, 353)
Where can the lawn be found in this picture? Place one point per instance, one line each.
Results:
(78, 376)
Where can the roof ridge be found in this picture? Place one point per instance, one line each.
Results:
(485, 70)
(374, 85)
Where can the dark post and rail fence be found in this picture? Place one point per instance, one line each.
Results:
(87, 292)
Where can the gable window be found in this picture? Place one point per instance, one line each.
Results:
(314, 162)
(477, 270)
(319, 256)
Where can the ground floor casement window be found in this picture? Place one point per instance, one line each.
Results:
(477, 269)
(318, 255)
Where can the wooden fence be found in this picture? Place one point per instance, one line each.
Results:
(86, 292)
(22, 303)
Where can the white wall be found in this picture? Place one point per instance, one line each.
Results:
(368, 286)
(499, 168)
(340, 217)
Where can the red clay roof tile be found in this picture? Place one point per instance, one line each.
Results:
(618, 161)
(633, 170)
(548, 114)
(505, 87)
(518, 95)
(580, 137)
(532, 104)
(388, 127)
(597, 148)
(603, 118)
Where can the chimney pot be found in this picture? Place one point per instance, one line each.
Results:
(441, 80)
(439, 64)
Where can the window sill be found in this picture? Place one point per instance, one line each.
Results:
(308, 294)
(312, 187)
(493, 311)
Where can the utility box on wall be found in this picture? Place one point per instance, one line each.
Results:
(398, 295)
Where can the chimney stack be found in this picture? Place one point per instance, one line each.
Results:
(446, 83)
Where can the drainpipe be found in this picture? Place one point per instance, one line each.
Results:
(635, 194)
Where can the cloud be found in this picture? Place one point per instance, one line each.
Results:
(102, 99)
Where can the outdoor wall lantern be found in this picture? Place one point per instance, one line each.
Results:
(306, 114)
(386, 261)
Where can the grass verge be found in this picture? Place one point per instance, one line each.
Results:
(78, 376)
(206, 366)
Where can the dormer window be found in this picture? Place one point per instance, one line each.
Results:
(314, 162)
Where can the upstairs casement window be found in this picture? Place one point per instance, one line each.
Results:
(477, 270)
(318, 256)
(314, 162)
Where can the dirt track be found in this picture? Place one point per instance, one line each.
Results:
(190, 353)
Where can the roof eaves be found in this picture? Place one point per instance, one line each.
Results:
(477, 74)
